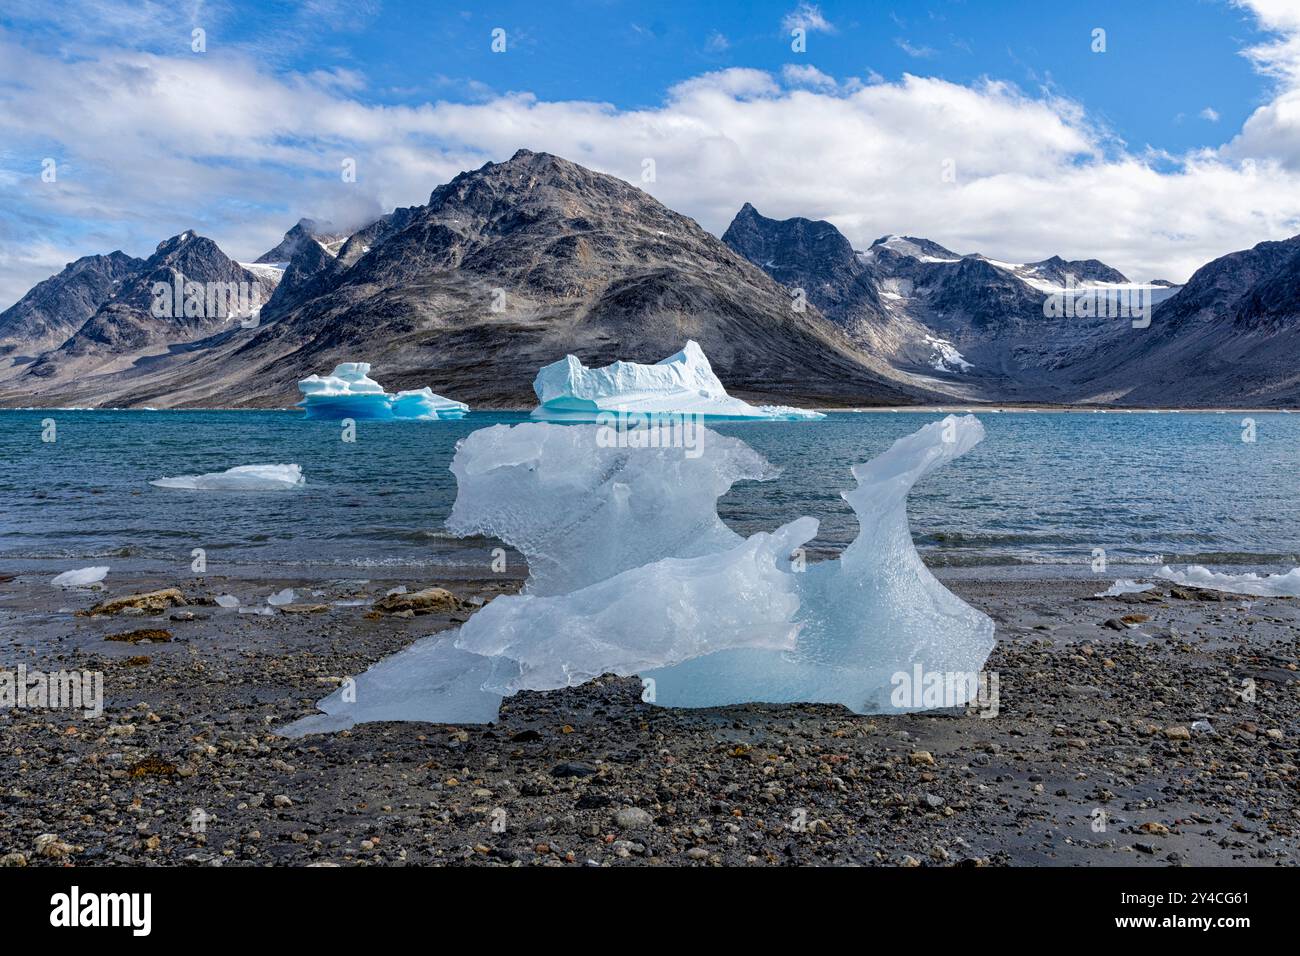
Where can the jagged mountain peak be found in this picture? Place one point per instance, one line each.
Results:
(305, 230)
(769, 242)
(170, 245)
(56, 307)
(1060, 271)
(914, 247)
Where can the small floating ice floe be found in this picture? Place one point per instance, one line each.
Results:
(1125, 586)
(349, 392)
(80, 578)
(239, 478)
(682, 384)
(1257, 585)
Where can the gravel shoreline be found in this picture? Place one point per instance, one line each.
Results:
(1167, 739)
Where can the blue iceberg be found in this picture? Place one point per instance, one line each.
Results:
(349, 392)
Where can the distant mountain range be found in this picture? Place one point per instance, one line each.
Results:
(511, 266)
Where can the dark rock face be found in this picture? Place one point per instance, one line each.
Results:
(1273, 303)
(1228, 337)
(1254, 286)
(126, 323)
(971, 300)
(308, 262)
(1060, 271)
(58, 306)
(927, 310)
(808, 254)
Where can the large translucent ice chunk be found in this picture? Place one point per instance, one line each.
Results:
(1257, 585)
(874, 613)
(621, 586)
(239, 478)
(651, 616)
(580, 508)
(682, 384)
(349, 392)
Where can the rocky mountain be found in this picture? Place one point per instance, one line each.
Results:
(511, 266)
(505, 269)
(185, 292)
(305, 232)
(315, 269)
(974, 326)
(1058, 271)
(1228, 337)
(308, 261)
(58, 306)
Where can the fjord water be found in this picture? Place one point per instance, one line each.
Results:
(1039, 494)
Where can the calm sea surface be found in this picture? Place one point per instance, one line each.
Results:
(1036, 496)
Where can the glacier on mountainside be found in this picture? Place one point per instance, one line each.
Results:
(682, 384)
(1256, 585)
(632, 572)
(349, 392)
(239, 478)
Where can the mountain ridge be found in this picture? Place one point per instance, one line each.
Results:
(515, 264)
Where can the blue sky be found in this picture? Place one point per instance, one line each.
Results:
(1174, 145)
(1166, 60)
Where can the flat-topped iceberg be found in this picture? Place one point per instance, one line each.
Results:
(682, 384)
(239, 478)
(349, 392)
(632, 572)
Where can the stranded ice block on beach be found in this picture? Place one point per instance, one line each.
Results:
(632, 572)
(80, 578)
(1256, 585)
(349, 392)
(682, 384)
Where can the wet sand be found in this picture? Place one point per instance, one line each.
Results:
(1097, 754)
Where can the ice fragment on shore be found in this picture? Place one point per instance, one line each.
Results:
(432, 680)
(79, 578)
(1125, 586)
(1257, 585)
(733, 620)
(280, 598)
(873, 613)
